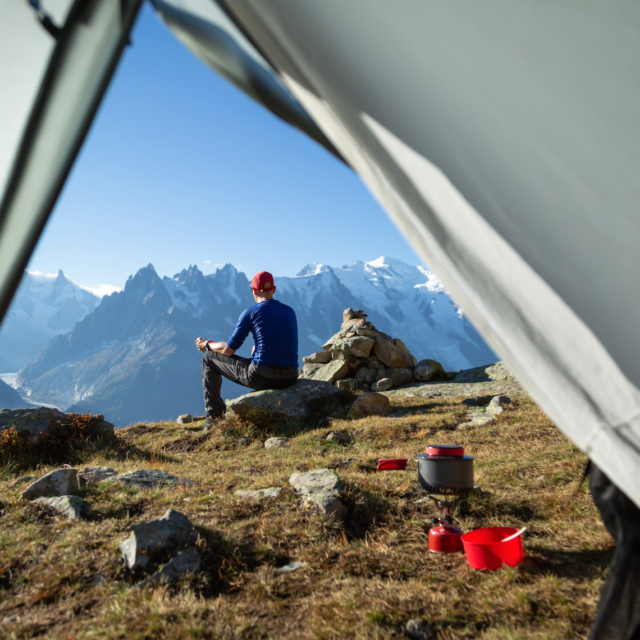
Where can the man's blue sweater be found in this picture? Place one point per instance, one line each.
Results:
(275, 333)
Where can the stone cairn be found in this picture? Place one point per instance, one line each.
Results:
(361, 358)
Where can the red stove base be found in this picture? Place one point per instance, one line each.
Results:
(445, 539)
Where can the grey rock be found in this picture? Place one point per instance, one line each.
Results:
(337, 436)
(185, 418)
(258, 494)
(359, 346)
(187, 562)
(366, 375)
(149, 478)
(320, 490)
(71, 507)
(292, 566)
(381, 373)
(320, 357)
(417, 629)
(428, 371)
(354, 363)
(334, 370)
(276, 443)
(293, 402)
(491, 372)
(150, 540)
(391, 355)
(94, 475)
(400, 376)
(384, 384)
(370, 404)
(22, 480)
(348, 384)
(477, 401)
(35, 420)
(498, 401)
(309, 369)
(61, 482)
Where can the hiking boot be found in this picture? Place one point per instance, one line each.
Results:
(211, 422)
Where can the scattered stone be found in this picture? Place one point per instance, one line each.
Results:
(417, 629)
(335, 370)
(337, 436)
(292, 566)
(391, 355)
(243, 441)
(276, 443)
(61, 482)
(258, 494)
(71, 507)
(359, 346)
(477, 401)
(498, 401)
(185, 418)
(186, 562)
(541, 478)
(149, 478)
(400, 376)
(370, 404)
(428, 371)
(293, 402)
(149, 540)
(348, 384)
(320, 489)
(320, 357)
(22, 480)
(94, 475)
(382, 385)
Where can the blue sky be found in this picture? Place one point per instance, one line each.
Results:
(181, 168)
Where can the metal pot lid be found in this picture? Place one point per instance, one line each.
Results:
(452, 450)
(424, 456)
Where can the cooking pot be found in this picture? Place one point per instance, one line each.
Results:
(443, 469)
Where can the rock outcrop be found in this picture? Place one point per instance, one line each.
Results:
(361, 358)
(38, 420)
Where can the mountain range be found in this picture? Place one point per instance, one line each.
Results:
(133, 357)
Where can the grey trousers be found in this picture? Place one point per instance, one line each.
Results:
(242, 371)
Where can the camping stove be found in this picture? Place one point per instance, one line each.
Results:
(443, 536)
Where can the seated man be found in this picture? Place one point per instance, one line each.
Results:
(274, 361)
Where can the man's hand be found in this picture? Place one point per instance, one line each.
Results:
(201, 344)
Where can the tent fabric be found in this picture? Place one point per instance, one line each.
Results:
(502, 139)
(58, 84)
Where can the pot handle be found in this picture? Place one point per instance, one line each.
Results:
(392, 464)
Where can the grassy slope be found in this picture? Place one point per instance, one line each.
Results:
(62, 579)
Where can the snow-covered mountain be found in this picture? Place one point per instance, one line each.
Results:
(43, 307)
(133, 357)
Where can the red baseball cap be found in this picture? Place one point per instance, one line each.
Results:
(262, 281)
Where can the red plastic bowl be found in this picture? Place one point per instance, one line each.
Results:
(485, 550)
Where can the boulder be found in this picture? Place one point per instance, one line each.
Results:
(370, 404)
(276, 443)
(61, 482)
(349, 327)
(350, 314)
(498, 401)
(148, 478)
(38, 420)
(320, 357)
(353, 362)
(186, 562)
(336, 336)
(93, 475)
(151, 540)
(359, 346)
(293, 402)
(309, 369)
(428, 371)
(258, 494)
(320, 490)
(417, 629)
(403, 347)
(185, 418)
(71, 507)
(491, 372)
(366, 375)
(349, 384)
(391, 355)
(384, 384)
(334, 370)
(337, 436)
(22, 480)
(400, 376)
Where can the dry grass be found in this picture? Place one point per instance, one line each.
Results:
(62, 579)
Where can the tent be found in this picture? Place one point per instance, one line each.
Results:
(501, 137)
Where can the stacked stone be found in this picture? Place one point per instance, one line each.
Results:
(359, 357)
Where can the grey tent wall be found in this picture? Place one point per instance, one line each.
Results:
(87, 51)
